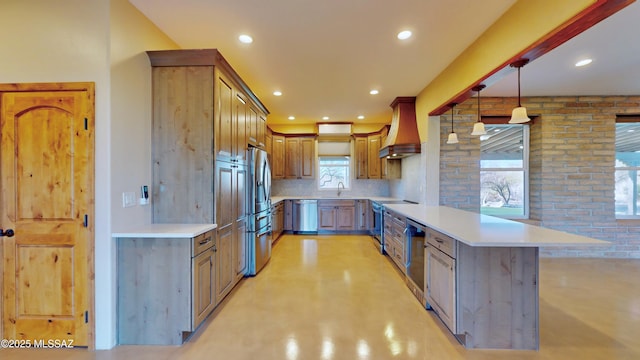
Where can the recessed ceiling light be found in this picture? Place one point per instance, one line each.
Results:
(291, 117)
(374, 92)
(360, 117)
(403, 35)
(246, 39)
(325, 118)
(277, 93)
(583, 62)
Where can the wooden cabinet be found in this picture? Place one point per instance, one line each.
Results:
(394, 240)
(361, 155)
(440, 270)
(202, 111)
(277, 220)
(165, 287)
(373, 161)
(363, 215)
(299, 158)
(277, 156)
(368, 164)
(204, 116)
(225, 274)
(336, 215)
(288, 215)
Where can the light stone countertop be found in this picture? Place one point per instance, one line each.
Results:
(488, 231)
(277, 199)
(165, 231)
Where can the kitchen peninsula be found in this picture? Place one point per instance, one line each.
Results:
(490, 290)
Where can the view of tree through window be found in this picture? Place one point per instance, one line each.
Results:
(627, 175)
(503, 170)
(333, 170)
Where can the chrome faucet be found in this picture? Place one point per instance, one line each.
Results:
(340, 183)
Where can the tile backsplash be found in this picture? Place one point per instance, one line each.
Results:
(310, 188)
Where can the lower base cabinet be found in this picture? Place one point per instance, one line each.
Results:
(166, 288)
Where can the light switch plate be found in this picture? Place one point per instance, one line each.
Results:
(128, 199)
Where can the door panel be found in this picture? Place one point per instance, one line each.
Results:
(47, 190)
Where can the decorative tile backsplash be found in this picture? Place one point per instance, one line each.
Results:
(310, 188)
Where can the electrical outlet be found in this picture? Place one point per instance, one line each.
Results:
(128, 199)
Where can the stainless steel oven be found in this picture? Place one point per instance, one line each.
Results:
(377, 228)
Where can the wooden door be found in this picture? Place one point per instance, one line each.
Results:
(277, 156)
(361, 157)
(225, 273)
(307, 157)
(47, 167)
(203, 292)
(345, 218)
(252, 125)
(224, 134)
(326, 217)
(240, 248)
(292, 158)
(373, 163)
(240, 140)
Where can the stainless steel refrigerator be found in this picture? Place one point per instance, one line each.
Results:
(260, 210)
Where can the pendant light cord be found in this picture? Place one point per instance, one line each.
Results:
(452, 106)
(519, 105)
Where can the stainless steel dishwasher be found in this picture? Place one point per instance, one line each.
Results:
(305, 216)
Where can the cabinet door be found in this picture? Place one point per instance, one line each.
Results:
(182, 131)
(326, 217)
(239, 186)
(362, 215)
(261, 130)
(277, 163)
(239, 144)
(373, 163)
(292, 158)
(288, 215)
(225, 273)
(204, 295)
(361, 157)
(252, 125)
(240, 248)
(224, 133)
(224, 194)
(441, 285)
(307, 157)
(345, 218)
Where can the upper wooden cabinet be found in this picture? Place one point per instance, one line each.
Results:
(277, 156)
(368, 164)
(201, 110)
(299, 157)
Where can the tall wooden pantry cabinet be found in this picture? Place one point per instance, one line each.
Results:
(204, 117)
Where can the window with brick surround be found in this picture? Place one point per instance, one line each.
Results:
(504, 170)
(627, 174)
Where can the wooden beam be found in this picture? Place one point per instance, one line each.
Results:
(592, 15)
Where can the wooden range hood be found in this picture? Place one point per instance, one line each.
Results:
(403, 139)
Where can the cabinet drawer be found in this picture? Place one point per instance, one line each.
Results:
(336, 203)
(202, 242)
(443, 242)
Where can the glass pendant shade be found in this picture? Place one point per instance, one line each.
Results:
(519, 115)
(478, 129)
(453, 138)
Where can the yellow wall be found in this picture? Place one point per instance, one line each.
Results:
(522, 25)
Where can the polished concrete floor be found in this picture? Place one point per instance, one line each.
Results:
(335, 297)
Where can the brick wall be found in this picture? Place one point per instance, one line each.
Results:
(571, 165)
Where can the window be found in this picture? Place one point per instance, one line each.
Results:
(504, 162)
(627, 174)
(333, 171)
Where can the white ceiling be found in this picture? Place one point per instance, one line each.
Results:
(325, 56)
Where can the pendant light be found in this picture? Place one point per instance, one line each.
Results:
(519, 114)
(478, 127)
(453, 137)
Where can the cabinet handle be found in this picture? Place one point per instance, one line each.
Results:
(439, 240)
(215, 249)
(205, 241)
